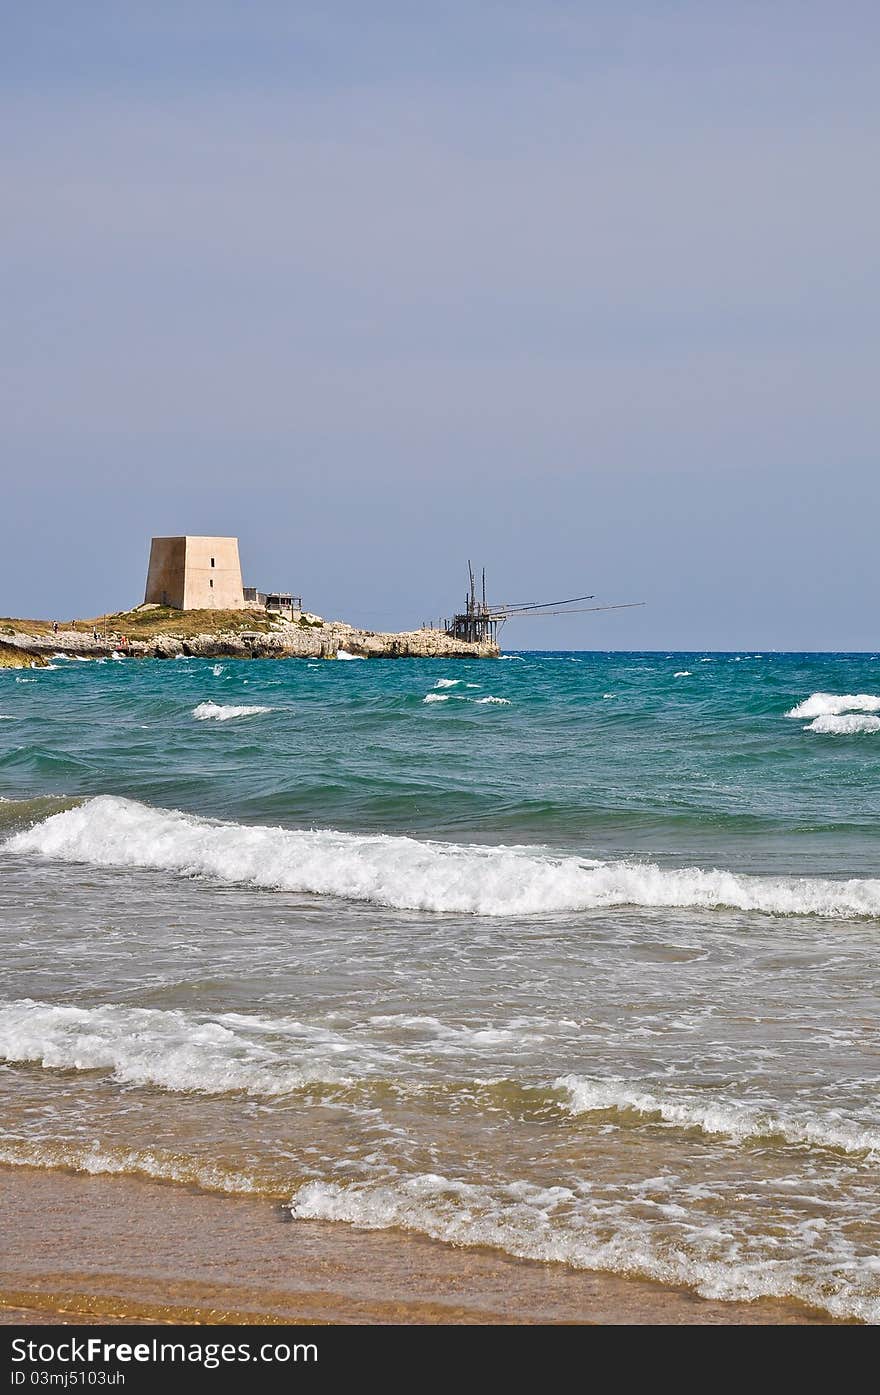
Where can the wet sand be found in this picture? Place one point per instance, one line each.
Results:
(77, 1248)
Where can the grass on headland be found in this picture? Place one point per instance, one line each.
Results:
(153, 623)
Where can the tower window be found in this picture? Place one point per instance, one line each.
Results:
(211, 583)
(212, 561)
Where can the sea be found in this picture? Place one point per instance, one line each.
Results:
(572, 955)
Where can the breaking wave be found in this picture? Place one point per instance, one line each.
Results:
(172, 1050)
(845, 724)
(833, 704)
(408, 874)
(459, 697)
(208, 711)
(724, 1118)
(550, 1224)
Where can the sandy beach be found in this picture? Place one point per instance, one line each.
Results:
(80, 1248)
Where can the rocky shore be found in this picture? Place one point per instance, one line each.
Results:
(282, 640)
(11, 656)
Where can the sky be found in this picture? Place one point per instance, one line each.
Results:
(586, 292)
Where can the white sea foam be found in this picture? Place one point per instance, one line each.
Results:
(460, 697)
(171, 1050)
(726, 1118)
(552, 1224)
(219, 712)
(4, 718)
(833, 704)
(344, 654)
(447, 683)
(848, 724)
(217, 669)
(413, 875)
(683, 673)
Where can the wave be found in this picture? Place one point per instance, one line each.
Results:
(723, 1118)
(848, 724)
(344, 654)
(683, 673)
(459, 697)
(219, 712)
(230, 1052)
(96, 1161)
(518, 1218)
(447, 683)
(172, 1050)
(834, 704)
(532, 1222)
(407, 874)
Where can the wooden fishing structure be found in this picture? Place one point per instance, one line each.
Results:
(480, 621)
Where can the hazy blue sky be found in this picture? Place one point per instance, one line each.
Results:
(587, 291)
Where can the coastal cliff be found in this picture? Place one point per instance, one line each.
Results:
(164, 634)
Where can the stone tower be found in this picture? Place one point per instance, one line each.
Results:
(195, 574)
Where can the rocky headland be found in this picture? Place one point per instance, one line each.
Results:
(152, 633)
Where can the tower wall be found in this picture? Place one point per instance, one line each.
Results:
(166, 574)
(213, 575)
(192, 573)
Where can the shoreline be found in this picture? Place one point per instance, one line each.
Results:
(82, 1248)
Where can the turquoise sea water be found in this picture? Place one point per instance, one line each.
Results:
(571, 954)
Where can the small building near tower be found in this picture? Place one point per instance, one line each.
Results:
(195, 574)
